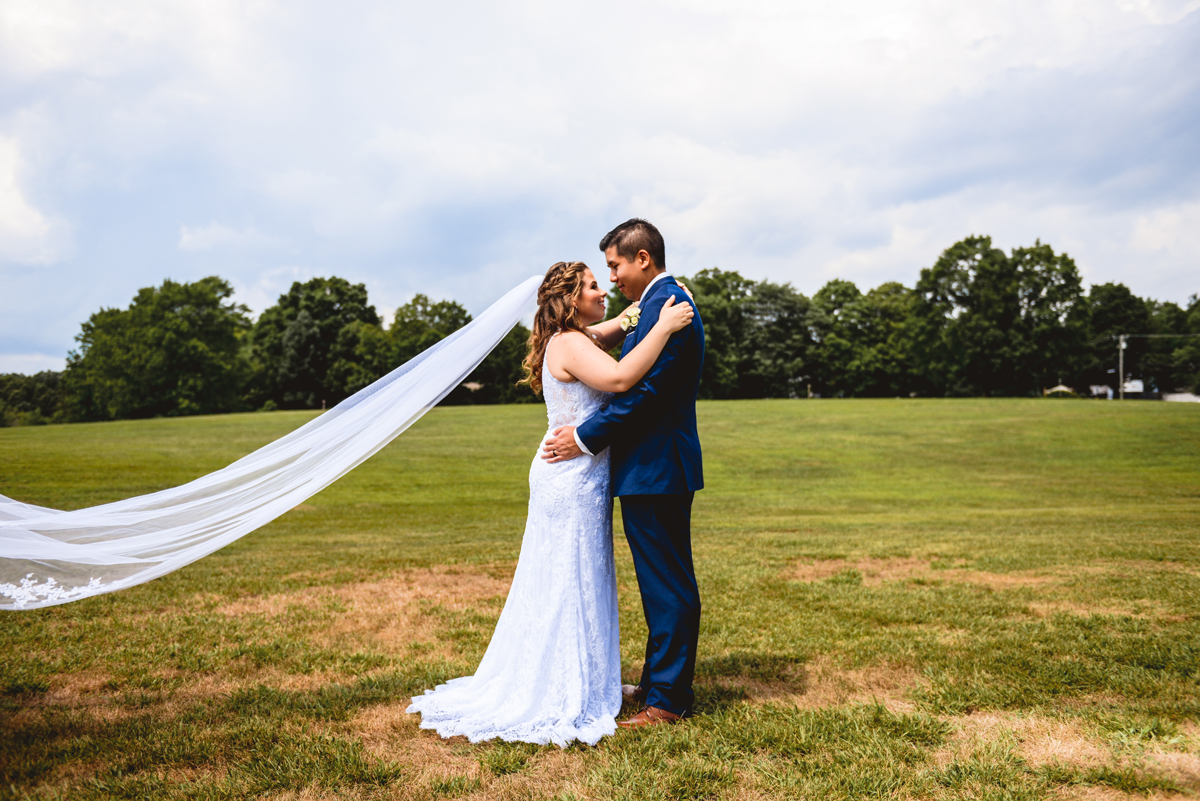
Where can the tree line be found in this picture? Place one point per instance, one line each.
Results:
(979, 322)
(188, 348)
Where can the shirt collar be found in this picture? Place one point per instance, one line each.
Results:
(654, 281)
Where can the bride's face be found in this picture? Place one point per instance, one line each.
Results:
(590, 302)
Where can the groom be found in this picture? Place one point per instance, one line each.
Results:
(656, 470)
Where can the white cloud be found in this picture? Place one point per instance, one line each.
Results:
(1176, 228)
(455, 148)
(216, 235)
(30, 363)
(266, 287)
(26, 235)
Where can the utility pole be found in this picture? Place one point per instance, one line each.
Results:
(1123, 340)
(1121, 364)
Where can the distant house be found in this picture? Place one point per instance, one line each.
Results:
(1136, 390)
(1181, 397)
(1060, 391)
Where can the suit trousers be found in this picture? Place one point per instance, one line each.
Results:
(659, 531)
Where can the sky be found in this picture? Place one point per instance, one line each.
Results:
(454, 149)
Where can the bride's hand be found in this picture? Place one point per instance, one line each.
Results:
(676, 317)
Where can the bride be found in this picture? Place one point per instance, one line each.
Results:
(552, 672)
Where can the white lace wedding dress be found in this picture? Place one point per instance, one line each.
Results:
(552, 672)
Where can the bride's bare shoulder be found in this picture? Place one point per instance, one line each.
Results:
(575, 346)
(568, 352)
(573, 339)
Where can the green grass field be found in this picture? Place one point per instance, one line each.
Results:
(903, 599)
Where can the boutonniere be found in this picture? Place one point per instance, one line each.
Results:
(630, 320)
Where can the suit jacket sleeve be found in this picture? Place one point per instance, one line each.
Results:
(643, 401)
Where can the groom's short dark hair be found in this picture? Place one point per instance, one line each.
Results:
(633, 235)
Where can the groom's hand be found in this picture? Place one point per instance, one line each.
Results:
(561, 446)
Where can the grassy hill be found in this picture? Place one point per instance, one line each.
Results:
(976, 598)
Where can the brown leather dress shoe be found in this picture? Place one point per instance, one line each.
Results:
(650, 716)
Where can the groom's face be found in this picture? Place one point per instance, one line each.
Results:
(630, 276)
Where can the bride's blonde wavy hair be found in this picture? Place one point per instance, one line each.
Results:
(556, 312)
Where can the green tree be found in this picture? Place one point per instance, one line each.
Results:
(294, 343)
(885, 368)
(422, 323)
(174, 351)
(1186, 356)
(31, 399)
(1112, 309)
(1161, 369)
(497, 376)
(721, 298)
(991, 324)
(1054, 319)
(777, 342)
(969, 310)
(362, 354)
(839, 341)
(864, 343)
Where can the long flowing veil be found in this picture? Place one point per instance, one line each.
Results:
(50, 557)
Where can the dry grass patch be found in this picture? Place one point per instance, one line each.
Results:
(746, 789)
(387, 615)
(389, 733)
(1141, 609)
(212, 685)
(1095, 793)
(90, 693)
(549, 773)
(876, 571)
(830, 684)
(1181, 768)
(1038, 740)
(1043, 741)
(84, 691)
(322, 794)
(1180, 762)
(823, 682)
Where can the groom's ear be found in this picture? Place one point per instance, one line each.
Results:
(644, 261)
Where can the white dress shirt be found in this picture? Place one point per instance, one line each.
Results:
(653, 281)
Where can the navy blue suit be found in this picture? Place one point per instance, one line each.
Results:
(656, 469)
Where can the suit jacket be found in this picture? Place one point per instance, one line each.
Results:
(651, 428)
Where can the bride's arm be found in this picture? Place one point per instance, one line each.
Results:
(609, 333)
(575, 355)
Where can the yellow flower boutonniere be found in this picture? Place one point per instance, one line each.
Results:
(630, 320)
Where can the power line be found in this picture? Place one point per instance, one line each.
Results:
(1138, 336)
